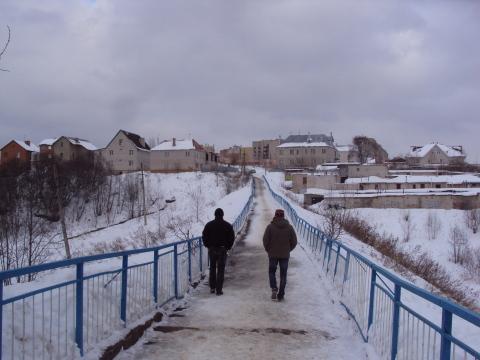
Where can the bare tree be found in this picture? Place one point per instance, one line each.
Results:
(472, 219)
(3, 51)
(459, 242)
(432, 225)
(408, 227)
(334, 218)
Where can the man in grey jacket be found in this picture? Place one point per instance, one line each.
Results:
(279, 240)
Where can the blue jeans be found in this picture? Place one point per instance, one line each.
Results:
(272, 269)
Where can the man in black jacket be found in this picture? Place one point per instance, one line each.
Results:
(218, 238)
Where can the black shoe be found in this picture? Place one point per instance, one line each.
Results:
(274, 294)
(280, 297)
(212, 291)
(219, 293)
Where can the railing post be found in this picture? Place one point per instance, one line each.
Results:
(396, 321)
(200, 246)
(79, 309)
(336, 262)
(123, 295)
(189, 244)
(1, 317)
(155, 276)
(446, 330)
(175, 269)
(371, 303)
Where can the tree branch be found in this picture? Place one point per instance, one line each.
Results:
(5, 47)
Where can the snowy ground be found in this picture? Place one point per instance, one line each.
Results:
(245, 324)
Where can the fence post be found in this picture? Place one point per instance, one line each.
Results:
(189, 244)
(336, 262)
(155, 276)
(396, 321)
(200, 246)
(371, 303)
(79, 309)
(175, 269)
(1, 317)
(123, 299)
(446, 330)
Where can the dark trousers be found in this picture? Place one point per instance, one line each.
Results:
(272, 269)
(218, 258)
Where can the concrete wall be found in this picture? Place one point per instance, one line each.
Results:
(302, 182)
(408, 202)
(355, 171)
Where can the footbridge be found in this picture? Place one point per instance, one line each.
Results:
(338, 304)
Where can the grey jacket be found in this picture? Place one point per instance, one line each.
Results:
(279, 238)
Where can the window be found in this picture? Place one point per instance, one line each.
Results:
(304, 180)
(61, 143)
(281, 152)
(422, 186)
(111, 152)
(297, 151)
(399, 186)
(187, 153)
(414, 186)
(61, 155)
(18, 155)
(130, 163)
(291, 152)
(312, 151)
(324, 151)
(131, 152)
(120, 142)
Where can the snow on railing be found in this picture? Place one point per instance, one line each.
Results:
(104, 293)
(372, 296)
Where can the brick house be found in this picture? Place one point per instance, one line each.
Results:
(181, 155)
(46, 149)
(126, 152)
(21, 151)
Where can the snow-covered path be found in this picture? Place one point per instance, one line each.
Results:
(245, 324)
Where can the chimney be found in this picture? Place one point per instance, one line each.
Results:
(27, 142)
(142, 141)
(174, 142)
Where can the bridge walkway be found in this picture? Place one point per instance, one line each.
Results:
(245, 324)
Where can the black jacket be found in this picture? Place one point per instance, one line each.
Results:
(218, 233)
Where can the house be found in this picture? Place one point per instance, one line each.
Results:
(20, 151)
(126, 152)
(435, 154)
(347, 153)
(46, 149)
(264, 152)
(67, 148)
(231, 156)
(181, 155)
(308, 154)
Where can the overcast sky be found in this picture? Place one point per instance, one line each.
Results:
(229, 72)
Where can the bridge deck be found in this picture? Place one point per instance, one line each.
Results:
(245, 324)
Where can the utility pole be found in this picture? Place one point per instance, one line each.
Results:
(61, 212)
(144, 206)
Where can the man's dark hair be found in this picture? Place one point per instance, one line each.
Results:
(219, 213)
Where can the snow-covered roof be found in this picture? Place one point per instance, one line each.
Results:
(31, 147)
(87, 145)
(345, 147)
(188, 144)
(303, 144)
(375, 193)
(449, 179)
(450, 151)
(326, 167)
(48, 141)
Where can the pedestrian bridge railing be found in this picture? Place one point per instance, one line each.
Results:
(77, 304)
(401, 320)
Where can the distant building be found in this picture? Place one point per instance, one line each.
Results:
(181, 155)
(347, 153)
(318, 138)
(21, 151)
(126, 152)
(67, 148)
(46, 149)
(308, 154)
(264, 152)
(435, 154)
(231, 156)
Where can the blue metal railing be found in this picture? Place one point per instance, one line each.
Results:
(382, 304)
(103, 293)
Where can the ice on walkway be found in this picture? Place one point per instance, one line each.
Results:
(245, 324)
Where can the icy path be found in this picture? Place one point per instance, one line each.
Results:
(245, 324)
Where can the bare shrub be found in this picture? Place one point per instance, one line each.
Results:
(334, 219)
(181, 227)
(472, 219)
(459, 242)
(408, 227)
(432, 225)
(472, 263)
